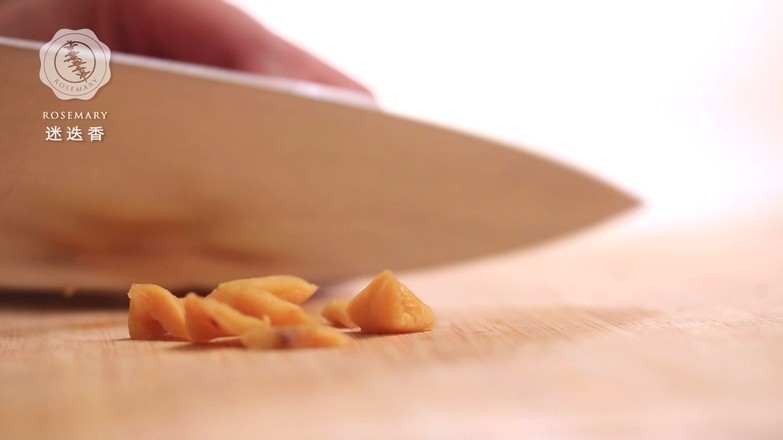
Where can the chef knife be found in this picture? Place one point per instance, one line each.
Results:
(203, 175)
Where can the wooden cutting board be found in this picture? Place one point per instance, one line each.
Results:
(625, 332)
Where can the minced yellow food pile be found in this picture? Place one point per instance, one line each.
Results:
(265, 313)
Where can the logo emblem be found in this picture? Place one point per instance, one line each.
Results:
(75, 64)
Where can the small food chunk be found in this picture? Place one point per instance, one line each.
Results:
(336, 312)
(153, 312)
(207, 319)
(388, 306)
(260, 303)
(290, 288)
(265, 313)
(295, 336)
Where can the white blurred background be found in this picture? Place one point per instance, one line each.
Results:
(679, 102)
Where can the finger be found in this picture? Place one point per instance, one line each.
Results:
(215, 33)
(206, 32)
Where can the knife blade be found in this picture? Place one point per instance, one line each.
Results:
(206, 175)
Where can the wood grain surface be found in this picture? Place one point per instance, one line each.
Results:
(623, 332)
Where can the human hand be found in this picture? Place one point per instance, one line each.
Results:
(209, 32)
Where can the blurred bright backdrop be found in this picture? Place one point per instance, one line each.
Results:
(678, 102)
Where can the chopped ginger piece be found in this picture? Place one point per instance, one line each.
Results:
(207, 319)
(290, 288)
(388, 306)
(336, 312)
(260, 303)
(153, 312)
(265, 313)
(295, 336)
